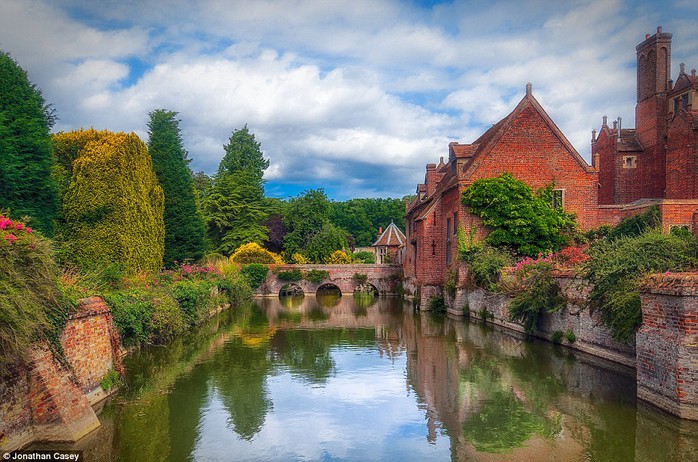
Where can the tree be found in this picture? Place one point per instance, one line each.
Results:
(184, 226)
(310, 232)
(113, 206)
(516, 217)
(26, 184)
(234, 208)
(363, 217)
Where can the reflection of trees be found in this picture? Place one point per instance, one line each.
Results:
(238, 373)
(363, 300)
(506, 418)
(306, 354)
(328, 299)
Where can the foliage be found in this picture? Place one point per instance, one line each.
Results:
(436, 304)
(184, 226)
(234, 208)
(518, 218)
(468, 246)
(316, 276)
(254, 253)
(276, 232)
(111, 379)
(361, 218)
(616, 268)
(26, 184)
(290, 275)
(338, 257)
(486, 266)
(310, 232)
(360, 278)
(570, 336)
(556, 336)
(572, 256)
(32, 305)
(364, 256)
(113, 206)
(637, 225)
(536, 290)
(193, 297)
(299, 259)
(254, 273)
(234, 212)
(450, 283)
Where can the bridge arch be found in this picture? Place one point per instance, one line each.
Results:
(291, 289)
(367, 288)
(328, 288)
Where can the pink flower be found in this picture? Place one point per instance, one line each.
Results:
(5, 222)
(28, 229)
(10, 238)
(19, 225)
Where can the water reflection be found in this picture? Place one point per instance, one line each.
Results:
(366, 379)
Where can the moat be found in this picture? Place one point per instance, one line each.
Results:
(357, 379)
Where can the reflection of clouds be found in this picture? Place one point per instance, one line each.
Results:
(352, 417)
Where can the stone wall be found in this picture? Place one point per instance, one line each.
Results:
(48, 400)
(667, 344)
(591, 336)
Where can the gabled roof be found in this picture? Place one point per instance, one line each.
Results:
(491, 137)
(391, 237)
(684, 82)
(629, 141)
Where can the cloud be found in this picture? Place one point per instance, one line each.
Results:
(353, 96)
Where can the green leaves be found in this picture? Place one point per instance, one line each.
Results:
(184, 225)
(518, 218)
(27, 186)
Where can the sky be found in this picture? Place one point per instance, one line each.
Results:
(352, 96)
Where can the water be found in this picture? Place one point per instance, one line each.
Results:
(344, 379)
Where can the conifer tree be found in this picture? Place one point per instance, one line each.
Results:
(184, 225)
(26, 184)
(234, 208)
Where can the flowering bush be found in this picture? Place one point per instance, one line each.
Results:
(255, 253)
(338, 257)
(32, 305)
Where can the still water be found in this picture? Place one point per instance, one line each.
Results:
(345, 379)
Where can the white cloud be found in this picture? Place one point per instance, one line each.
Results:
(354, 94)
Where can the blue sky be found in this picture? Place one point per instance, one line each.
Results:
(351, 96)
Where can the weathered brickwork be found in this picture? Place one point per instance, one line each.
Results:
(385, 278)
(42, 399)
(667, 344)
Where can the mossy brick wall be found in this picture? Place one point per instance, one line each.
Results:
(42, 399)
(667, 344)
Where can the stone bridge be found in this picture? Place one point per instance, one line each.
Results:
(385, 279)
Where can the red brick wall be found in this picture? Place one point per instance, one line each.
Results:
(91, 343)
(532, 152)
(682, 158)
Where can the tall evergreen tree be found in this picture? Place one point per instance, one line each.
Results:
(184, 225)
(235, 208)
(26, 184)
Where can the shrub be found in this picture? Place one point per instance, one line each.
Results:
(450, 284)
(338, 257)
(437, 304)
(290, 275)
(113, 205)
(167, 319)
(299, 259)
(538, 291)
(254, 253)
(32, 305)
(360, 278)
(517, 217)
(193, 298)
(570, 336)
(111, 379)
(317, 276)
(131, 310)
(637, 225)
(556, 336)
(255, 274)
(616, 268)
(486, 266)
(364, 256)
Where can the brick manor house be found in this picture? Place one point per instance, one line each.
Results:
(655, 163)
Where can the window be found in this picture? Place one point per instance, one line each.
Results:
(629, 161)
(455, 222)
(558, 198)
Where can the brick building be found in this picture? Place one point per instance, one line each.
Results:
(632, 169)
